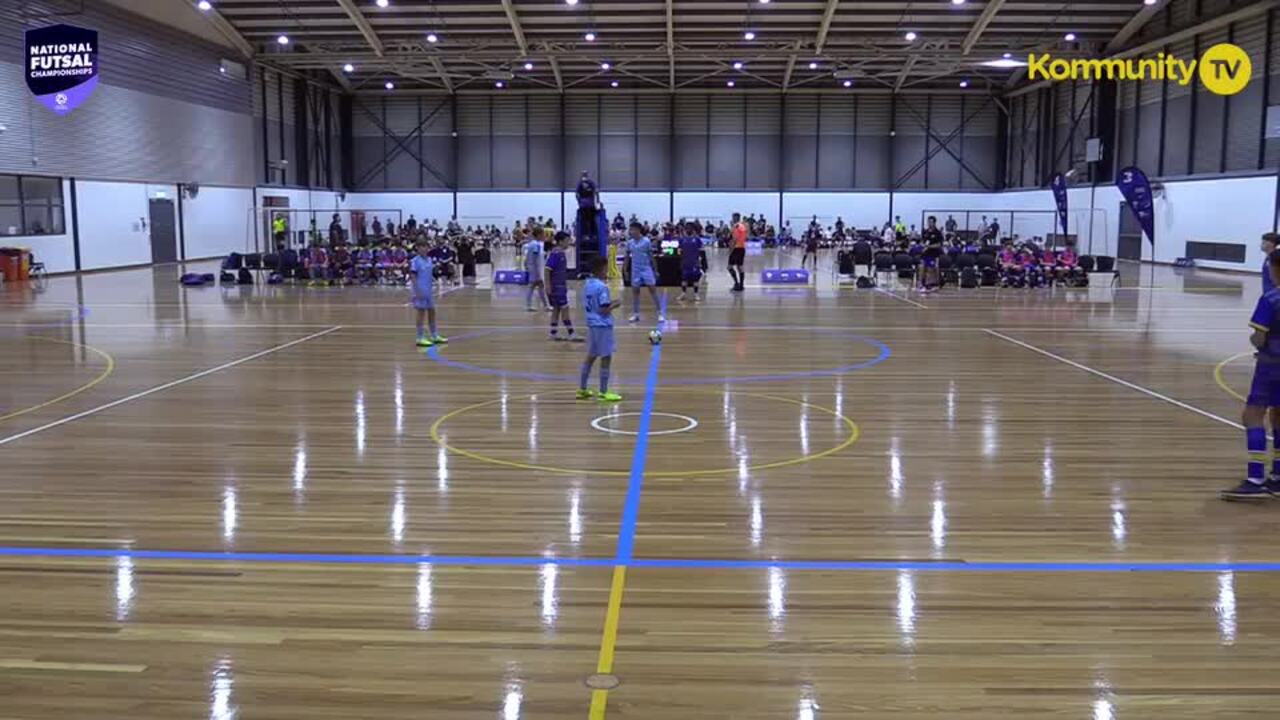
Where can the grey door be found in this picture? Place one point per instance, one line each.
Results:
(164, 233)
(1131, 237)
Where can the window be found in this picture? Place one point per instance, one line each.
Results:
(31, 205)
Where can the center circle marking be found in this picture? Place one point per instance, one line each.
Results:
(690, 423)
(851, 428)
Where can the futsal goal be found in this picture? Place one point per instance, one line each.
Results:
(305, 227)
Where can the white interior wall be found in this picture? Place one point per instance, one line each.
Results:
(422, 205)
(859, 210)
(115, 226)
(644, 205)
(1234, 210)
(1231, 210)
(217, 221)
(505, 208)
(720, 206)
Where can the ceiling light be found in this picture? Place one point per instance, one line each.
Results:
(1006, 56)
(222, 69)
(813, 66)
(282, 39)
(1069, 37)
(1005, 62)
(591, 37)
(204, 5)
(847, 83)
(433, 38)
(382, 3)
(911, 36)
(348, 68)
(737, 65)
(528, 66)
(957, 2)
(1148, 2)
(730, 83)
(748, 35)
(764, 2)
(499, 84)
(605, 66)
(389, 85)
(613, 84)
(570, 2)
(964, 83)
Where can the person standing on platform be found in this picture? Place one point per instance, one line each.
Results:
(280, 229)
(738, 255)
(587, 200)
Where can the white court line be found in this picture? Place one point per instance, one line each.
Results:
(198, 325)
(166, 386)
(899, 298)
(1114, 379)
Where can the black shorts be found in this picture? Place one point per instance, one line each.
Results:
(737, 256)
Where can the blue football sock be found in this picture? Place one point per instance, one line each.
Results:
(433, 329)
(1275, 452)
(1256, 440)
(568, 326)
(586, 372)
(604, 379)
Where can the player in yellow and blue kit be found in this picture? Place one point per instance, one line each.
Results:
(1264, 392)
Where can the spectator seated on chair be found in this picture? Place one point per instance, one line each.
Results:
(1068, 268)
(363, 259)
(1013, 272)
(317, 265)
(342, 266)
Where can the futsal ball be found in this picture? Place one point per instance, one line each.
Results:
(655, 337)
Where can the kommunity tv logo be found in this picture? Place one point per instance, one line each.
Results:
(1223, 69)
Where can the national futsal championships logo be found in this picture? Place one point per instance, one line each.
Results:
(1223, 69)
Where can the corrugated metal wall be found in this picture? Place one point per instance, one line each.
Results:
(1167, 129)
(715, 141)
(161, 113)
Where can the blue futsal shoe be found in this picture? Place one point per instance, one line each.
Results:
(1247, 491)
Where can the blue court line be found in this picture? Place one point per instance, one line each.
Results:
(651, 563)
(631, 510)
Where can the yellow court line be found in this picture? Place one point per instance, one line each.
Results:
(854, 433)
(111, 366)
(1222, 383)
(608, 640)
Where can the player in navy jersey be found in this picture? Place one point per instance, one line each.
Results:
(1264, 392)
(690, 263)
(1269, 243)
(558, 288)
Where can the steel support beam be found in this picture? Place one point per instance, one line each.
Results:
(226, 28)
(671, 44)
(980, 25)
(1136, 23)
(828, 15)
(362, 24)
(516, 29)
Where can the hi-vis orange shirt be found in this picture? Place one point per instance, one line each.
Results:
(740, 235)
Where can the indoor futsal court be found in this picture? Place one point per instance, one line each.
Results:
(656, 360)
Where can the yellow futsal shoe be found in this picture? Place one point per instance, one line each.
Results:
(586, 394)
(439, 340)
(611, 397)
(425, 341)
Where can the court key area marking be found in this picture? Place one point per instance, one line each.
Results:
(106, 372)
(166, 386)
(1132, 386)
(598, 423)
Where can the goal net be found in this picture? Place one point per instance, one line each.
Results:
(271, 228)
(1088, 232)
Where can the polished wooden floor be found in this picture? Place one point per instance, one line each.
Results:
(267, 503)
